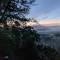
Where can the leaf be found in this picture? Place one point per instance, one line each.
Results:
(4, 1)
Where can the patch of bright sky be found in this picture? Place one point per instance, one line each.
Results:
(45, 9)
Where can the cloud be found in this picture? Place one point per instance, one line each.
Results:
(50, 22)
(45, 9)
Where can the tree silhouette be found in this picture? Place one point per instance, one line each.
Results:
(16, 39)
(15, 9)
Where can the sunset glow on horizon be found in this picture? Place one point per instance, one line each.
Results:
(50, 22)
(45, 22)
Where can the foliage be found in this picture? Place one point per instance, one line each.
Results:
(15, 9)
(13, 39)
(47, 52)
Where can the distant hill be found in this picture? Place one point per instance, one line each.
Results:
(47, 29)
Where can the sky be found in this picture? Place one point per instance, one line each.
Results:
(45, 9)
